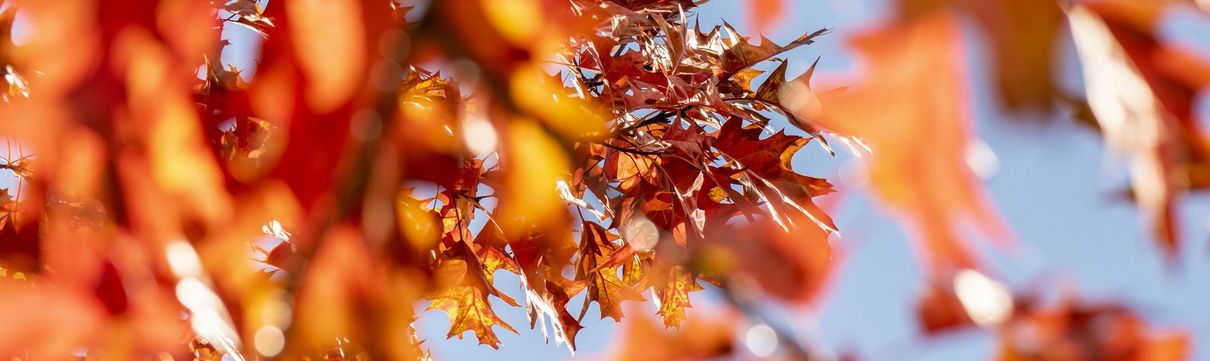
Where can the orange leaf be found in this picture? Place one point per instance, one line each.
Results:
(329, 42)
(46, 320)
(700, 338)
(791, 263)
(1022, 35)
(1073, 331)
(764, 14)
(918, 132)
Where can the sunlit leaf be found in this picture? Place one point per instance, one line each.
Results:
(604, 286)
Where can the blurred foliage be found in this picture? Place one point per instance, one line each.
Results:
(389, 154)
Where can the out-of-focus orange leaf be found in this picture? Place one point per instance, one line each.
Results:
(764, 14)
(519, 21)
(328, 37)
(13, 85)
(791, 264)
(48, 320)
(63, 27)
(419, 227)
(541, 96)
(1073, 331)
(1023, 36)
(188, 26)
(537, 163)
(939, 309)
(1183, 66)
(699, 338)
(338, 282)
(918, 133)
(179, 161)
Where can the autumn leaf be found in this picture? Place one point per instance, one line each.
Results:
(547, 291)
(790, 263)
(550, 302)
(335, 72)
(1154, 123)
(494, 259)
(1074, 330)
(204, 351)
(251, 15)
(674, 295)
(465, 301)
(414, 152)
(768, 162)
(630, 168)
(469, 310)
(539, 165)
(12, 84)
(643, 4)
(1023, 37)
(604, 286)
(19, 238)
(66, 317)
(742, 54)
(938, 308)
(918, 133)
(709, 337)
(763, 14)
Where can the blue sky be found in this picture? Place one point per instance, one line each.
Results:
(1052, 186)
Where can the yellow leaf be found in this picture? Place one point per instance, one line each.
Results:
(569, 117)
(674, 297)
(181, 162)
(718, 194)
(520, 21)
(535, 163)
(469, 310)
(417, 224)
(493, 259)
(604, 286)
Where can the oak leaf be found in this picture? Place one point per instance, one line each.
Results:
(604, 286)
